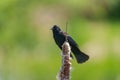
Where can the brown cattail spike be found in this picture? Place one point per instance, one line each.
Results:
(64, 73)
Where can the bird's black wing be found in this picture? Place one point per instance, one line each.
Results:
(80, 56)
(71, 41)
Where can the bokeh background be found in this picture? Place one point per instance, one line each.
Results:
(27, 48)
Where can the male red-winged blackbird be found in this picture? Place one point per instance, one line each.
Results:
(60, 37)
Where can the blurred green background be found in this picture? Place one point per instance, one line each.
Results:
(27, 48)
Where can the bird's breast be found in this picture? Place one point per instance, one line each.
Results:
(59, 39)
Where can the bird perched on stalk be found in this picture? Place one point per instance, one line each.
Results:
(60, 37)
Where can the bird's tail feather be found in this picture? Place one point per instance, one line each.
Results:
(80, 56)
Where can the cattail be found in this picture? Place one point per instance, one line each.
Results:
(64, 73)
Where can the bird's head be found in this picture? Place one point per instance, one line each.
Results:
(56, 29)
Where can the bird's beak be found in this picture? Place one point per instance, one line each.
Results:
(51, 28)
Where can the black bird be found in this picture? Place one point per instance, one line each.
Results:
(60, 37)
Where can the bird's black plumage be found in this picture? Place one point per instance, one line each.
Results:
(60, 37)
